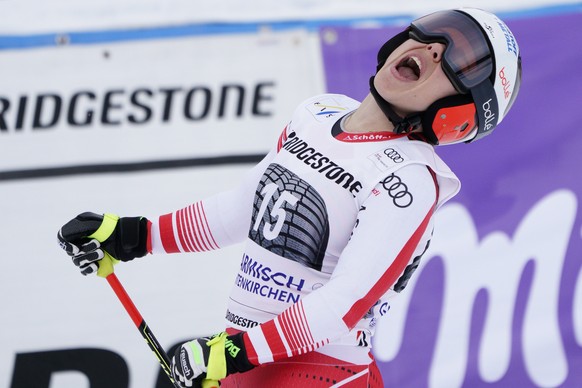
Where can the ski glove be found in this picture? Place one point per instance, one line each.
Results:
(202, 362)
(89, 236)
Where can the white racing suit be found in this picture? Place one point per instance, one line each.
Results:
(334, 223)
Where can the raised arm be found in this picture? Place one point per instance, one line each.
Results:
(385, 240)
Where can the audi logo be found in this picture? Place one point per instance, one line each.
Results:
(397, 190)
(394, 155)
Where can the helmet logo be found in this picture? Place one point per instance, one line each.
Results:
(509, 38)
(489, 29)
(489, 115)
(505, 83)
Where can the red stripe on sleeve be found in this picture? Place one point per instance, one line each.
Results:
(304, 325)
(274, 340)
(289, 332)
(301, 328)
(191, 229)
(207, 231)
(251, 352)
(167, 234)
(294, 327)
(181, 231)
(195, 215)
(389, 277)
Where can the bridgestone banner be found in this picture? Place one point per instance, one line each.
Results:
(152, 99)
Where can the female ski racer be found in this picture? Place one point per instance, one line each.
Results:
(336, 217)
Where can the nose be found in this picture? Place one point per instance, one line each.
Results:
(436, 51)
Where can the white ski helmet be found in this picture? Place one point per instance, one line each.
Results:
(482, 61)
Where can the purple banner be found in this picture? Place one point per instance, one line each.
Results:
(498, 301)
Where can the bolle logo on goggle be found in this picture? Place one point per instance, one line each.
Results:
(489, 115)
(505, 83)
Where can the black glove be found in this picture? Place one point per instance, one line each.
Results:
(203, 362)
(86, 236)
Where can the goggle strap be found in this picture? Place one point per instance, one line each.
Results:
(487, 108)
(390, 46)
(401, 125)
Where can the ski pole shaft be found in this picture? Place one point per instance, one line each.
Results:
(141, 324)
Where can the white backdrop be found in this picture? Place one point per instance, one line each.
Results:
(48, 305)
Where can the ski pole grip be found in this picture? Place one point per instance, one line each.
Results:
(105, 230)
(106, 265)
(207, 383)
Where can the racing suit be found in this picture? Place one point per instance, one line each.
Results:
(335, 223)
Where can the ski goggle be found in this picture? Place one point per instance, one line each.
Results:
(467, 59)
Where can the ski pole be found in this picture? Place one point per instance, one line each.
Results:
(106, 271)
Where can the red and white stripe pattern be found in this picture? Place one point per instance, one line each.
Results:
(283, 337)
(282, 139)
(187, 230)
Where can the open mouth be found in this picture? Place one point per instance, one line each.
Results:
(409, 68)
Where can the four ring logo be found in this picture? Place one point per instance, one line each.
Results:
(397, 190)
(394, 155)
